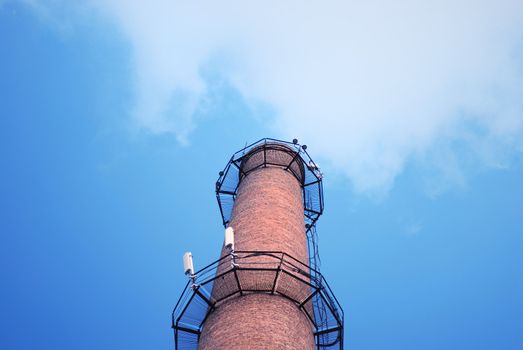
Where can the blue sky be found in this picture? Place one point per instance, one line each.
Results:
(104, 184)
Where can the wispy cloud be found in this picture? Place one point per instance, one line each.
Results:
(371, 85)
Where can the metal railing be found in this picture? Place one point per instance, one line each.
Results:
(267, 152)
(246, 272)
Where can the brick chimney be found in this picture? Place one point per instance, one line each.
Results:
(267, 216)
(265, 291)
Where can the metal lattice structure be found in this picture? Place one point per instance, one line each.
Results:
(247, 272)
(268, 153)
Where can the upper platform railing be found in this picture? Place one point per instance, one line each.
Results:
(267, 152)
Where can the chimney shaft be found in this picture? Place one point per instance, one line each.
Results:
(267, 216)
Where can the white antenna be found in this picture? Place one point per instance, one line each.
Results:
(229, 243)
(315, 169)
(188, 267)
(229, 238)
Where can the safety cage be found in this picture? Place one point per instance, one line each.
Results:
(246, 272)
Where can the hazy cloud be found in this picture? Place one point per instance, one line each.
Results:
(370, 85)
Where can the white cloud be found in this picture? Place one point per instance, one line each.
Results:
(370, 85)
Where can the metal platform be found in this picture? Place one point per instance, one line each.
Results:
(247, 272)
(267, 152)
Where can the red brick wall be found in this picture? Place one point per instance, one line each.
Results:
(256, 322)
(268, 215)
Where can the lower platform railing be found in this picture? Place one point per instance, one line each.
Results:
(247, 272)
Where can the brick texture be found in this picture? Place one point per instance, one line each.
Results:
(268, 215)
(256, 322)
